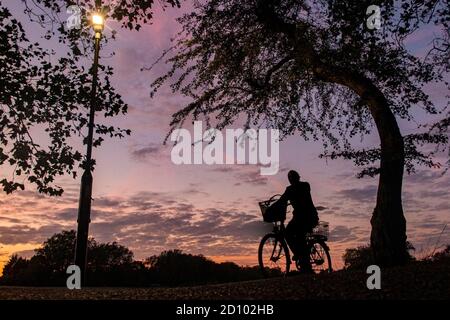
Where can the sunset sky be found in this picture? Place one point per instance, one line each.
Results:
(148, 204)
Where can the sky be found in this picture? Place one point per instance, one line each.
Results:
(145, 202)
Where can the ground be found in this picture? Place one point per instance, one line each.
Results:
(421, 280)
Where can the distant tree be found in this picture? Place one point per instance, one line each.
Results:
(443, 255)
(105, 256)
(57, 252)
(113, 264)
(175, 268)
(314, 69)
(108, 263)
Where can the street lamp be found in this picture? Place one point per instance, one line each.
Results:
(98, 22)
(84, 206)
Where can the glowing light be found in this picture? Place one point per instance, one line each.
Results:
(98, 21)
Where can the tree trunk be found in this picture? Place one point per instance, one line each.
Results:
(388, 236)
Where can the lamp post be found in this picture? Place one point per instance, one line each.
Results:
(84, 206)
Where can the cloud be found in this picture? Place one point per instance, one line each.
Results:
(107, 202)
(341, 234)
(150, 150)
(222, 169)
(253, 178)
(442, 206)
(9, 219)
(426, 176)
(25, 253)
(192, 190)
(243, 174)
(24, 234)
(363, 194)
(150, 222)
(209, 231)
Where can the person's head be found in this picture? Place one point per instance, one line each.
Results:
(293, 177)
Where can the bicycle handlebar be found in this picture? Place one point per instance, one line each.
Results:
(276, 195)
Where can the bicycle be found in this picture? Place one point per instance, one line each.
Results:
(274, 255)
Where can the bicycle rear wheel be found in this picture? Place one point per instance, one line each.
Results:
(320, 257)
(273, 256)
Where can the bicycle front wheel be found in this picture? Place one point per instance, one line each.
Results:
(273, 256)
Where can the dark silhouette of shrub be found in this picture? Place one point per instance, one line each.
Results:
(358, 258)
(362, 256)
(15, 269)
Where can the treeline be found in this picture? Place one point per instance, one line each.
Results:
(111, 264)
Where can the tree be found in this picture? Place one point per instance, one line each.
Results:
(58, 250)
(313, 68)
(173, 267)
(105, 256)
(45, 95)
(129, 14)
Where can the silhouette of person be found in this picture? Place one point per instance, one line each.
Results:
(304, 218)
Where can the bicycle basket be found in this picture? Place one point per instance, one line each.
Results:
(272, 210)
(321, 230)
